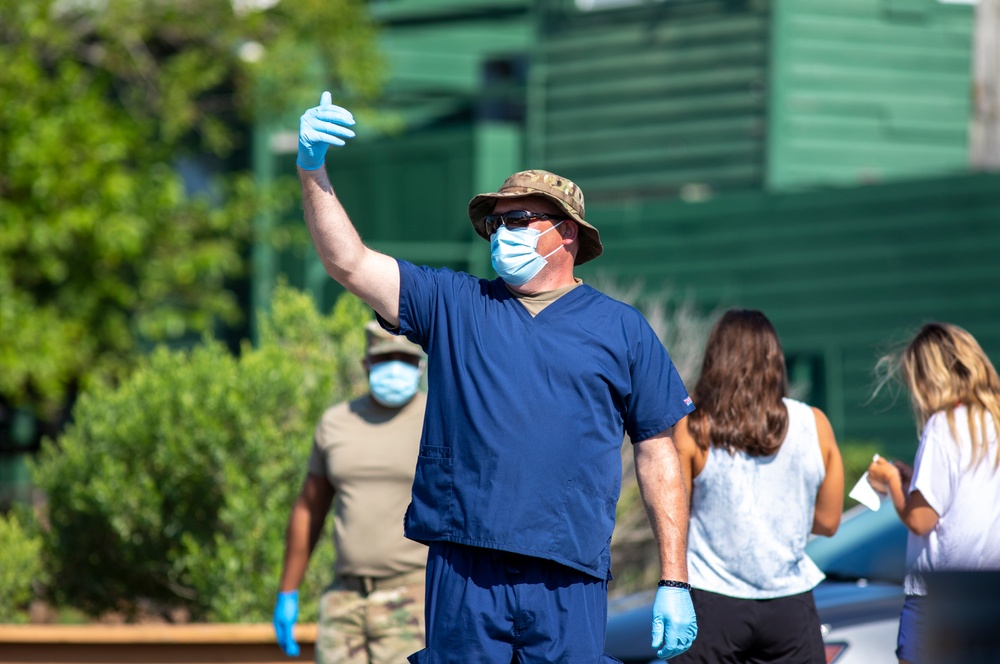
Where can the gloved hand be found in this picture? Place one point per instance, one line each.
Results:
(674, 622)
(286, 612)
(319, 128)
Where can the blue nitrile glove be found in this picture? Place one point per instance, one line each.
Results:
(286, 612)
(319, 128)
(674, 622)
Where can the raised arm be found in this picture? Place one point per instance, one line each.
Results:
(661, 484)
(372, 276)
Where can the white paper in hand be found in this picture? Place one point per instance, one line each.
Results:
(865, 494)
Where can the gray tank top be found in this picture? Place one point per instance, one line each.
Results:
(751, 516)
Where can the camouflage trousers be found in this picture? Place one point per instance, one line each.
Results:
(364, 620)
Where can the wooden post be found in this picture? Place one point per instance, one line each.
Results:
(984, 135)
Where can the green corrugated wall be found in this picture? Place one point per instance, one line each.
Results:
(436, 52)
(673, 97)
(840, 272)
(652, 100)
(868, 90)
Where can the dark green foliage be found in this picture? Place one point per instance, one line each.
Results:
(104, 247)
(174, 488)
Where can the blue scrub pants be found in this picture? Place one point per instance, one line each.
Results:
(493, 607)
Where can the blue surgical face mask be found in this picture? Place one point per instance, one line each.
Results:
(514, 255)
(393, 383)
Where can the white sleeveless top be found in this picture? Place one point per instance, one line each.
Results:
(751, 516)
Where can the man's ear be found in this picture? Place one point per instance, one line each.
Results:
(569, 230)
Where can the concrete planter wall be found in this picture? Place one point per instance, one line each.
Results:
(140, 644)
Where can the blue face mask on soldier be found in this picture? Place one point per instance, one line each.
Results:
(514, 256)
(393, 383)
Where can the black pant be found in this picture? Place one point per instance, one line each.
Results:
(755, 631)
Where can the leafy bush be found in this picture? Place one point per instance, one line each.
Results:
(174, 488)
(20, 567)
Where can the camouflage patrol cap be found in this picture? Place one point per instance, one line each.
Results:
(380, 342)
(547, 185)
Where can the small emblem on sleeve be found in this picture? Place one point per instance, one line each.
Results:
(687, 401)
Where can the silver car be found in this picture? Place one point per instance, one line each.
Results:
(858, 603)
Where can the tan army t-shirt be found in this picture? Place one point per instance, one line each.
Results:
(369, 453)
(535, 303)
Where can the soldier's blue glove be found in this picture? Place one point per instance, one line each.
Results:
(286, 612)
(319, 128)
(674, 622)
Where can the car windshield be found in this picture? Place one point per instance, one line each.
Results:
(868, 545)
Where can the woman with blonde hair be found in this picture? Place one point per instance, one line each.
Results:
(763, 472)
(950, 498)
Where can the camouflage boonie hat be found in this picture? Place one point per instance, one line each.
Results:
(550, 186)
(380, 342)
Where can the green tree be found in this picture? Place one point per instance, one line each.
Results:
(114, 235)
(173, 488)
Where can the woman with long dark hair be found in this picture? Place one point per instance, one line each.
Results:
(763, 472)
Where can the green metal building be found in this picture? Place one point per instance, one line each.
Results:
(802, 157)
(682, 97)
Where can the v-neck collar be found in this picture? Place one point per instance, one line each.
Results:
(542, 316)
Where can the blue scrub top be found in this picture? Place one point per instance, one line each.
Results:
(526, 415)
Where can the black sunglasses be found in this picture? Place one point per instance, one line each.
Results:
(515, 218)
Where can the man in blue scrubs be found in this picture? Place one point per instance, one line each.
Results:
(534, 378)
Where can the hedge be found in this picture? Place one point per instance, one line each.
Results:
(172, 490)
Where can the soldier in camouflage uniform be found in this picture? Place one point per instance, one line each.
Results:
(363, 456)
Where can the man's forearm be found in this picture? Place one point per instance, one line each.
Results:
(658, 473)
(337, 241)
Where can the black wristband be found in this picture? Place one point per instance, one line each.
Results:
(666, 583)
